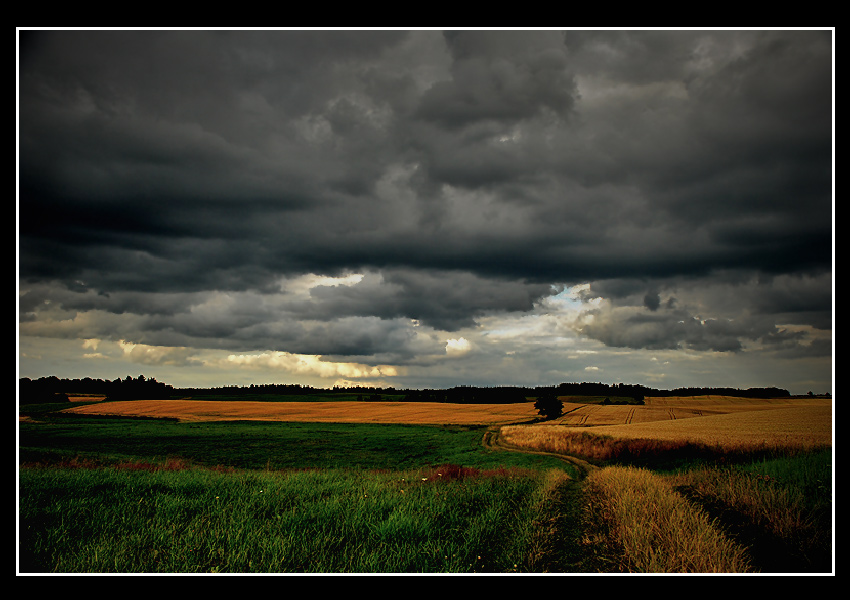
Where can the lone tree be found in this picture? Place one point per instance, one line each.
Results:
(549, 406)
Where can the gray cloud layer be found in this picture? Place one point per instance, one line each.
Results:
(465, 173)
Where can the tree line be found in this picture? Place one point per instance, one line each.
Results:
(278, 389)
(53, 389)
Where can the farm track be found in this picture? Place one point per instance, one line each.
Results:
(493, 441)
(561, 545)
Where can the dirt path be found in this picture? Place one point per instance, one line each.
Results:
(494, 441)
(559, 546)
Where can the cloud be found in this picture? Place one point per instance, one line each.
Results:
(446, 300)
(724, 313)
(190, 196)
(310, 365)
(457, 346)
(154, 355)
(317, 192)
(501, 77)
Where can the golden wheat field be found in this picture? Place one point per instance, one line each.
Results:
(794, 426)
(86, 397)
(702, 419)
(673, 408)
(706, 420)
(414, 413)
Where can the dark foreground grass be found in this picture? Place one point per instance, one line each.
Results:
(120, 520)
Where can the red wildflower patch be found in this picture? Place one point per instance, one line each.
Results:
(452, 472)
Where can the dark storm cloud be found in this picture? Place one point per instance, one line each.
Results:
(720, 313)
(500, 76)
(465, 173)
(444, 300)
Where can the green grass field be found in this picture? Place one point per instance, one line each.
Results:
(122, 495)
(328, 520)
(265, 445)
(143, 495)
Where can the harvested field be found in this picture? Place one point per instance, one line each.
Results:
(593, 415)
(674, 408)
(731, 403)
(764, 426)
(86, 397)
(414, 413)
(796, 426)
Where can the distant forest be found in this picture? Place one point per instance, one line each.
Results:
(53, 389)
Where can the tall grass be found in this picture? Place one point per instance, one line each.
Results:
(637, 451)
(781, 507)
(605, 448)
(636, 515)
(112, 520)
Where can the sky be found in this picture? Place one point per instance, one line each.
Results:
(425, 208)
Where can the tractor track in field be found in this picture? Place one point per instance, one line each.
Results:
(560, 526)
(493, 440)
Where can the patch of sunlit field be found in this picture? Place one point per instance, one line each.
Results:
(413, 413)
(591, 415)
(86, 397)
(673, 408)
(765, 426)
(795, 426)
(726, 404)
